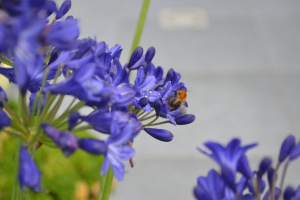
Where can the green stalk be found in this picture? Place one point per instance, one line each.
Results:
(105, 185)
(140, 26)
(164, 122)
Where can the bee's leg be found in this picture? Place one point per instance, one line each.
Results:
(130, 160)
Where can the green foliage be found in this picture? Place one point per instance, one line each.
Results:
(60, 175)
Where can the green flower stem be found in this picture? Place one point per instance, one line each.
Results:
(144, 119)
(16, 187)
(149, 124)
(67, 112)
(56, 108)
(164, 122)
(140, 26)
(12, 114)
(272, 193)
(82, 128)
(105, 186)
(148, 113)
(25, 111)
(141, 113)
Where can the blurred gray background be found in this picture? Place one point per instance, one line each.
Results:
(240, 61)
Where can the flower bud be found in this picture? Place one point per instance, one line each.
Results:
(271, 176)
(64, 8)
(160, 134)
(264, 166)
(150, 54)
(92, 146)
(186, 119)
(66, 142)
(143, 102)
(29, 174)
(136, 55)
(296, 152)
(288, 193)
(286, 147)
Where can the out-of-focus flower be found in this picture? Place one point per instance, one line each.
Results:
(29, 175)
(287, 147)
(4, 96)
(227, 157)
(67, 142)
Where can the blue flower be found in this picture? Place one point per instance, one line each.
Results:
(3, 95)
(227, 157)
(264, 166)
(295, 152)
(4, 119)
(160, 134)
(287, 147)
(101, 121)
(210, 187)
(63, 34)
(288, 193)
(267, 195)
(67, 142)
(117, 151)
(29, 175)
(92, 146)
(64, 8)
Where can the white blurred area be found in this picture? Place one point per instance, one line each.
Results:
(240, 61)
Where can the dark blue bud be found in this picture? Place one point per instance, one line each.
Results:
(288, 193)
(29, 175)
(3, 95)
(264, 166)
(143, 102)
(296, 152)
(136, 55)
(150, 54)
(186, 119)
(65, 141)
(157, 106)
(4, 119)
(73, 119)
(160, 134)
(287, 147)
(50, 7)
(64, 8)
(271, 172)
(92, 146)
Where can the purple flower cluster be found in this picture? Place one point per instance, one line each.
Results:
(48, 62)
(251, 185)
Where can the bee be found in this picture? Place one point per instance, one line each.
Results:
(178, 101)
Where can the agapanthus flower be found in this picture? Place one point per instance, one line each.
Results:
(287, 147)
(160, 134)
(29, 175)
(117, 150)
(67, 142)
(227, 157)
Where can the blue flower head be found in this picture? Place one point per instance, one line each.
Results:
(29, 175)
(227, 157)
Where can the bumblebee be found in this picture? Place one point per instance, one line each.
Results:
(178, 100)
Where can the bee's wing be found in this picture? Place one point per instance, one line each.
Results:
(183, 108)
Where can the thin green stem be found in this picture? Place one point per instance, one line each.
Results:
(105, 186)
(140, 26)
(164, 122)
(149, 124)
(82, 128)
(15, 183)
(151, 116)
(141, 118)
